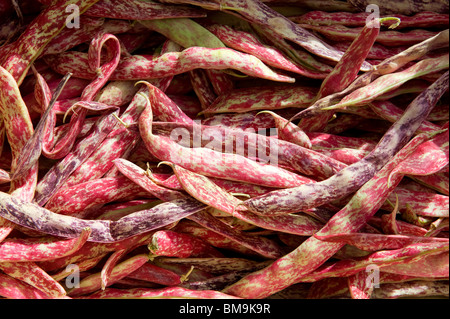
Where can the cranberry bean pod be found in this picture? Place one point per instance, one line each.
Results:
(59, 173)
(118, 142)
(163, 107)
(119, 210)
(419, 163)
(218, 266)
(167, 181)
(6, 227)
(20, 55)
(404, 228)
(241, 121)
(345, 71)
(172, 63)
(153, 273)
(167, 150)
(31, 151)
(434, 265)
(159, 216)
(321, 140)
(289, 132)
(262, 98)
(138, 175)
(108, 267)
(377, 52)
(387, 66)
(30, 273)
(347, 156)
(407, 7)
(4, 176)
(392, 141)
(69, 38)
(345, 220)
(103, 73)
(388, 111)
(241, 188)
(16, 289)
(411, 253)
(246, 42)
(83, 265)
(380, 86)
(438, 181)
(287, 154)
(422, 203)
(19, 129)
(31, 216)
(38, 249)
(135, 10)
(264, 246)
(162, 293)
(107, 176)
(93, 282)
(216, 283)
(297, 55)
(118, 93)
(213, 238)
(92, 193)
(206, 191)
(414, 289)
(202, 87)
(358, 287)
(439, 113)
(91, 250)
(121, 139)
(258, 13)
(418, 20)
(174, 244)
(391, 81)
(374, 242)
(185, 32)
(388, 38)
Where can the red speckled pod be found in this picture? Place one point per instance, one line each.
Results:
(38, 249)
(174, 244)
(138, 10)
(93, 282)
(163, 293)
(260, 14)
(371, 196)
(349, 19)
(156, 274)
(30, 273)
(138, 175)
(246, 42)
(17, 289)
(264, 246)
(18, 57)
(262, 98)
(168, 64)
(393, 38)
(387, 66)
(374, 242)
(345, 71)
(193, 158)
(313, 195)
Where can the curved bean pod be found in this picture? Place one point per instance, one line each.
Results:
(141, 67)
(355, 175)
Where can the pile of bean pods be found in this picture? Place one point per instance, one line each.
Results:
(224, 149)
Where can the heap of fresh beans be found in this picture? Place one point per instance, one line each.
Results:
(224, 149)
